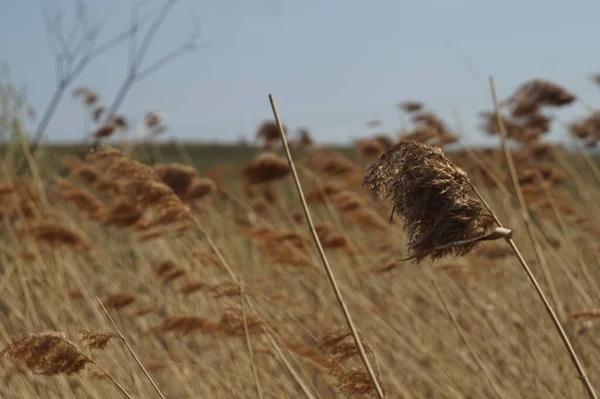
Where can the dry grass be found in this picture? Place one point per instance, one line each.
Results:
(162, 247)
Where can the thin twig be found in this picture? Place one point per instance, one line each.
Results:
(328, 270)
(555, 320)
(496, 234)
(130, 349)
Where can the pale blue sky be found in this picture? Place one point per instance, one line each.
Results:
(332, 65)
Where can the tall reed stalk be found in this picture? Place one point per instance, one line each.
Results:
(324, 261)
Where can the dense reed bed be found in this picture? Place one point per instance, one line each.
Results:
(132, 271)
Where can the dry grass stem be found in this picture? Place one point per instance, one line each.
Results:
(323, 257)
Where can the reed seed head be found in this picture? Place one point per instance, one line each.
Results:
(431, 194)
(265, 168)
(47, 353)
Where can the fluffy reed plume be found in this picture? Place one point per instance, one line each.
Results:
(322, 194)
(339, 345)
(261, 191)
(431, 194)
(232, 322)
(177, 176)
(385, 140)
(121, 213)
(56, 235)
(347, 201)
(47, 353)
(265, 168)
(329, 238)
(283, 247)
(355, 210)
(334, 164)
(538, 150)
(226, 289)
(193, 286)
(587, 128)
(530, 176)
(431, 120)
(336, 351)
(354, 382)
(543, 93)
(267, 237)
(411, 106)
(105, 131)
(143, 311)
(184, 325)
(96, 340)
(6, 188)
(139, 184)
(85, 201)
(420, 134)
(152, 119)
(490, 126)
(87, 174)
(20, 199)
(97, 113)
(268, 131)
(304, 138)
(199, 188)
(585, 314)
(120, 122)
(119, 300)
(90, 99)
(81, 91)
(369, 149)
(166, 271)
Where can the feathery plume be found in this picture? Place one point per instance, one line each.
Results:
(47, 353)
(96, 340)
(265, 168)
(431, 194)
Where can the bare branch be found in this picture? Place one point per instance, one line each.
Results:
(139, 58)
(164, 60)
(48, 28)
(79, 7)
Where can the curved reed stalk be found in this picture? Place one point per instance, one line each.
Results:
(326, 266)
(555, 320)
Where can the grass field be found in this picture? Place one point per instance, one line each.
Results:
(203, 259)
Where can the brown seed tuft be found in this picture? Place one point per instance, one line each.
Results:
(184, 325)
(47, 354)
(119, 300)
(57, 235)
(177, 176)
(96, 340)
(199, 189)
(167, 270)
(265, 168)
(411, 106)
(369, 149)
(431, 194)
